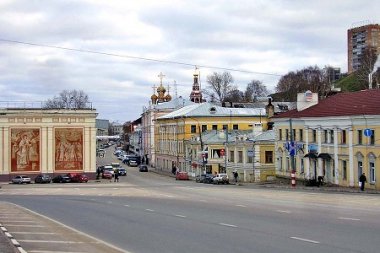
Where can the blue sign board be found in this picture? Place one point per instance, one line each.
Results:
(367, 132)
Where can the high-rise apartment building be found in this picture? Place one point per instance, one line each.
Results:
(358, 39)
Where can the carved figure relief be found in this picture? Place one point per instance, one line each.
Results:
(69, 149)
(25, 150)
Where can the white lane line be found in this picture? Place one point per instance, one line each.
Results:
(203, 200)
(19, 225)
(348, 218)
(34, 233)
(180, 216)
(49, 251)
(304, 240)
(228, 225)
(240, 205)
(168, 196)
(127, 205)
(47, 241)
(116, 188)
(149, 210)
(283, 211)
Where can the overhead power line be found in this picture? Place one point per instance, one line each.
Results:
(135, 57)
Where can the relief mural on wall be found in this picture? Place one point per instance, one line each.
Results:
(69, 149)
(25, 150)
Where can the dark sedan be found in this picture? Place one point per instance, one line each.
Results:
(143, 168)
(42, 179)
(61, 179)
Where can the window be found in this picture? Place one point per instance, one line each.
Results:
(372, 172)
(314, 133)
(343, 136)
(360, 169)
(214, 127)
(372, 138)
(294, 134)
(250, 159)
(287, 163)
(268, 156)
(326, 136)
(287, 134)
(225, 127)
(301, 134)
(204, 128)
(302, 167)
(360, 137)
(193, 129)
(232, 156)
(235, 127)
(344, 168)
(240, 156)
(280, 134)
(331, 136)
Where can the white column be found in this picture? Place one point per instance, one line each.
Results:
(50, 155)
(307, 161)
(351, 157)
(336, 161)
(319, 160)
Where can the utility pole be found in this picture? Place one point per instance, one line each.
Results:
(292, 152)
(225, 150)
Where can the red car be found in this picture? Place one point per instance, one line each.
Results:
(79, 178)
(107, 174)
(182, 175)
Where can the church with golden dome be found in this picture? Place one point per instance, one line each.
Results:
(160, 97)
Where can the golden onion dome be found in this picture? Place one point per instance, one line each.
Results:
(161, 89)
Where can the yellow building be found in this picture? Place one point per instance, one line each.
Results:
(178, 133)
(50, 141)
(335, 138)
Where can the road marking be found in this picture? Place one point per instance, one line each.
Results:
(240, 205)
(116, 188)
(51, 241)
(168, 196)
(348, 218)
(127, 205)
(304, 240)
(26, 221)
(180, 216)
(149, 210)
(283, 211)
(19, 225)
(49, 251)
(228, 225)
(203, 200)
(34, 233)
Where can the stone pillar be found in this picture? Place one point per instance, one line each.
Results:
(336, 161)
(351, 157)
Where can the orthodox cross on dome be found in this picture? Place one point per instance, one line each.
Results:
(161, 76)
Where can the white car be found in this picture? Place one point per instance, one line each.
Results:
(221, 178)
(21, 179)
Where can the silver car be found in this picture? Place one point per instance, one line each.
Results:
(21, 179)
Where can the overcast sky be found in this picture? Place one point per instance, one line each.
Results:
(272, 37)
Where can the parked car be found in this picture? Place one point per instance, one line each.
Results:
(132, 163)
(122, 172)
(204, 178)
(221, 178)
(21, 179)
(42, 179)
(79, 178)
(182, 175)
(107, 174)
(143, 168)
(61, 179)
(109, 168)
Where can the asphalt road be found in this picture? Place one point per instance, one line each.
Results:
(147, 212)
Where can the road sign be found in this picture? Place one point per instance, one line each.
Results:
(250, 153)
(367, 132)
(222, 152)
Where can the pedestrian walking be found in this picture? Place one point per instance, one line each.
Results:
(235, 176)
(362, 181)
(116, 175)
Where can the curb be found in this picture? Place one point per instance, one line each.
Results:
(14, 242)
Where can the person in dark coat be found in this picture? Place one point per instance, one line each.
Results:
(362, 181)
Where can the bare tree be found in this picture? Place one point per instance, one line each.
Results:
(219, 85)
(255, 89)
(235, 95)
(367, 61)
(72, 99)
(309, 78)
